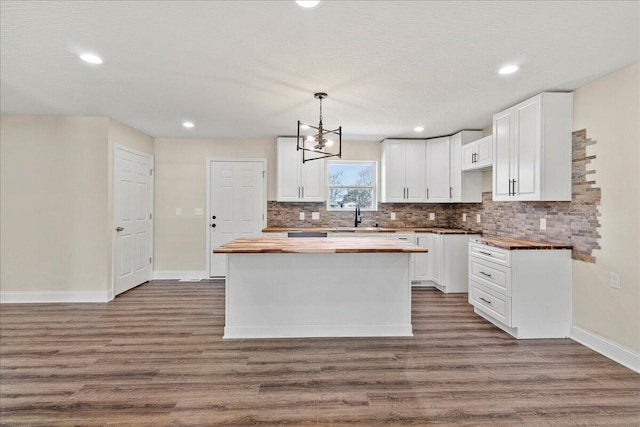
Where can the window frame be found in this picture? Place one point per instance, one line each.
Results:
(373, 186)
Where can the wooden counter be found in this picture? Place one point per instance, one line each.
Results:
(311, 245)
(512, 243)
(368, 230)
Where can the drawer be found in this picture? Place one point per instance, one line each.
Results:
(407, 237)
(489, 253)
(494, 276)
(493, 304)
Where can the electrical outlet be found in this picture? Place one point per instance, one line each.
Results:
(543, 224)
(393, 216)
(315, 215)
(301, 216)
(614, 280)
(464, 217)
(178, 211)
(432, 216)
(478, 218)
(198, 211)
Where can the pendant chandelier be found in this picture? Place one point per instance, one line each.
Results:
(316, 139)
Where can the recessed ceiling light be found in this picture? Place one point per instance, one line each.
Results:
(508, 69)
(188, 124)
(418, 129)
(308, 4)
(91, 58)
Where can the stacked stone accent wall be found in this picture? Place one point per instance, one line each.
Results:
(574, 222)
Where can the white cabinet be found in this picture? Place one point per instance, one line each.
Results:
(478, 154)
(437, 177)
(532, 149)
(446, 262)
(403, 171)
(463, 186)
(298, 182)
(527, 293)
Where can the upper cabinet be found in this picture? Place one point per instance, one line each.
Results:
(463, 186)
(403, 171)
(478, 154)
(438, 190)
(297, 182)
(532, 149)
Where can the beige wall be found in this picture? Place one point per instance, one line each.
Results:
(180, 164)
(54, 204)
(609, 109)
(57, 201)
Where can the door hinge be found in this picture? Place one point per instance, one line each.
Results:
(263, 174)
(150, 172)
(149, 260)
(150, 216)
(263, 216)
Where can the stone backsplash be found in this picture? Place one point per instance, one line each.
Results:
(574, 222)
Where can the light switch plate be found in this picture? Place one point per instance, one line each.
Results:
(315, 215)
(178, 211)
(198, 211)
(432, 216)
(464, 217)
(393, 216)
(543, 224)
(301, 216)
(478, 218)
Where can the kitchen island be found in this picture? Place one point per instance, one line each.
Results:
(317, 287)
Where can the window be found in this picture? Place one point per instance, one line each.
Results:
(351, 183)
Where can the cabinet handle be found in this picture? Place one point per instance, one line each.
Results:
(485, 253)
(302, 192)
(487, 301)
(407, 192)
(427, 192)
(484, 274)
(451, 192)
(514, 187)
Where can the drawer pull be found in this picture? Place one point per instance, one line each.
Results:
(487, 301)
(485, 253)
(484, 274)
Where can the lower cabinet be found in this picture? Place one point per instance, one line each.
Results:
(525, 292)
(445, 265)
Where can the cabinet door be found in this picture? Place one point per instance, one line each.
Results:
(438, 170)
(312, 181)
(484, 152)
(422, 261)
(502, 140)
(468, 151)
(526, 153)
(288, 174)
(393, 171)
(455, 168)
(415, 175)
(435, 249)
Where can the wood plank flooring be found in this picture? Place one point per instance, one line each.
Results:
(154, 356)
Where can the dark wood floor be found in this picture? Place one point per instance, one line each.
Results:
(154, 356)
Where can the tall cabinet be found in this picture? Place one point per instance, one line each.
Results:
(403, 171)
(298, 182)
(532, 149)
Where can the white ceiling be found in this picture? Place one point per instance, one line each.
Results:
(249, 69)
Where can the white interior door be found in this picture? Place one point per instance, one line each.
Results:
(132, 219)
(237, 206)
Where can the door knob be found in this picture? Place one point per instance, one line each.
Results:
(119, 228)
(213, 225)
(213, 217)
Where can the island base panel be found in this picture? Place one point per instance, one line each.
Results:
(317, 295)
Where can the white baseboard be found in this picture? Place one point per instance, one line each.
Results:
(55, 297)
(179, 275)
(606, 347)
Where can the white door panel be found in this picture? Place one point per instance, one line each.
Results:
(236, 206)
(132, 209)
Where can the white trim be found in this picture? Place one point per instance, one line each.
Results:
(180, 275)
(55, 297)
(614, 351)
(210, 160)
(152, 179)
(306, 331)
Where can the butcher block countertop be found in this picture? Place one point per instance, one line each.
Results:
(511, 243)
(316, 245)
(368, 230)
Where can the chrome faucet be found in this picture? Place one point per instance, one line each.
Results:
(357, 219)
